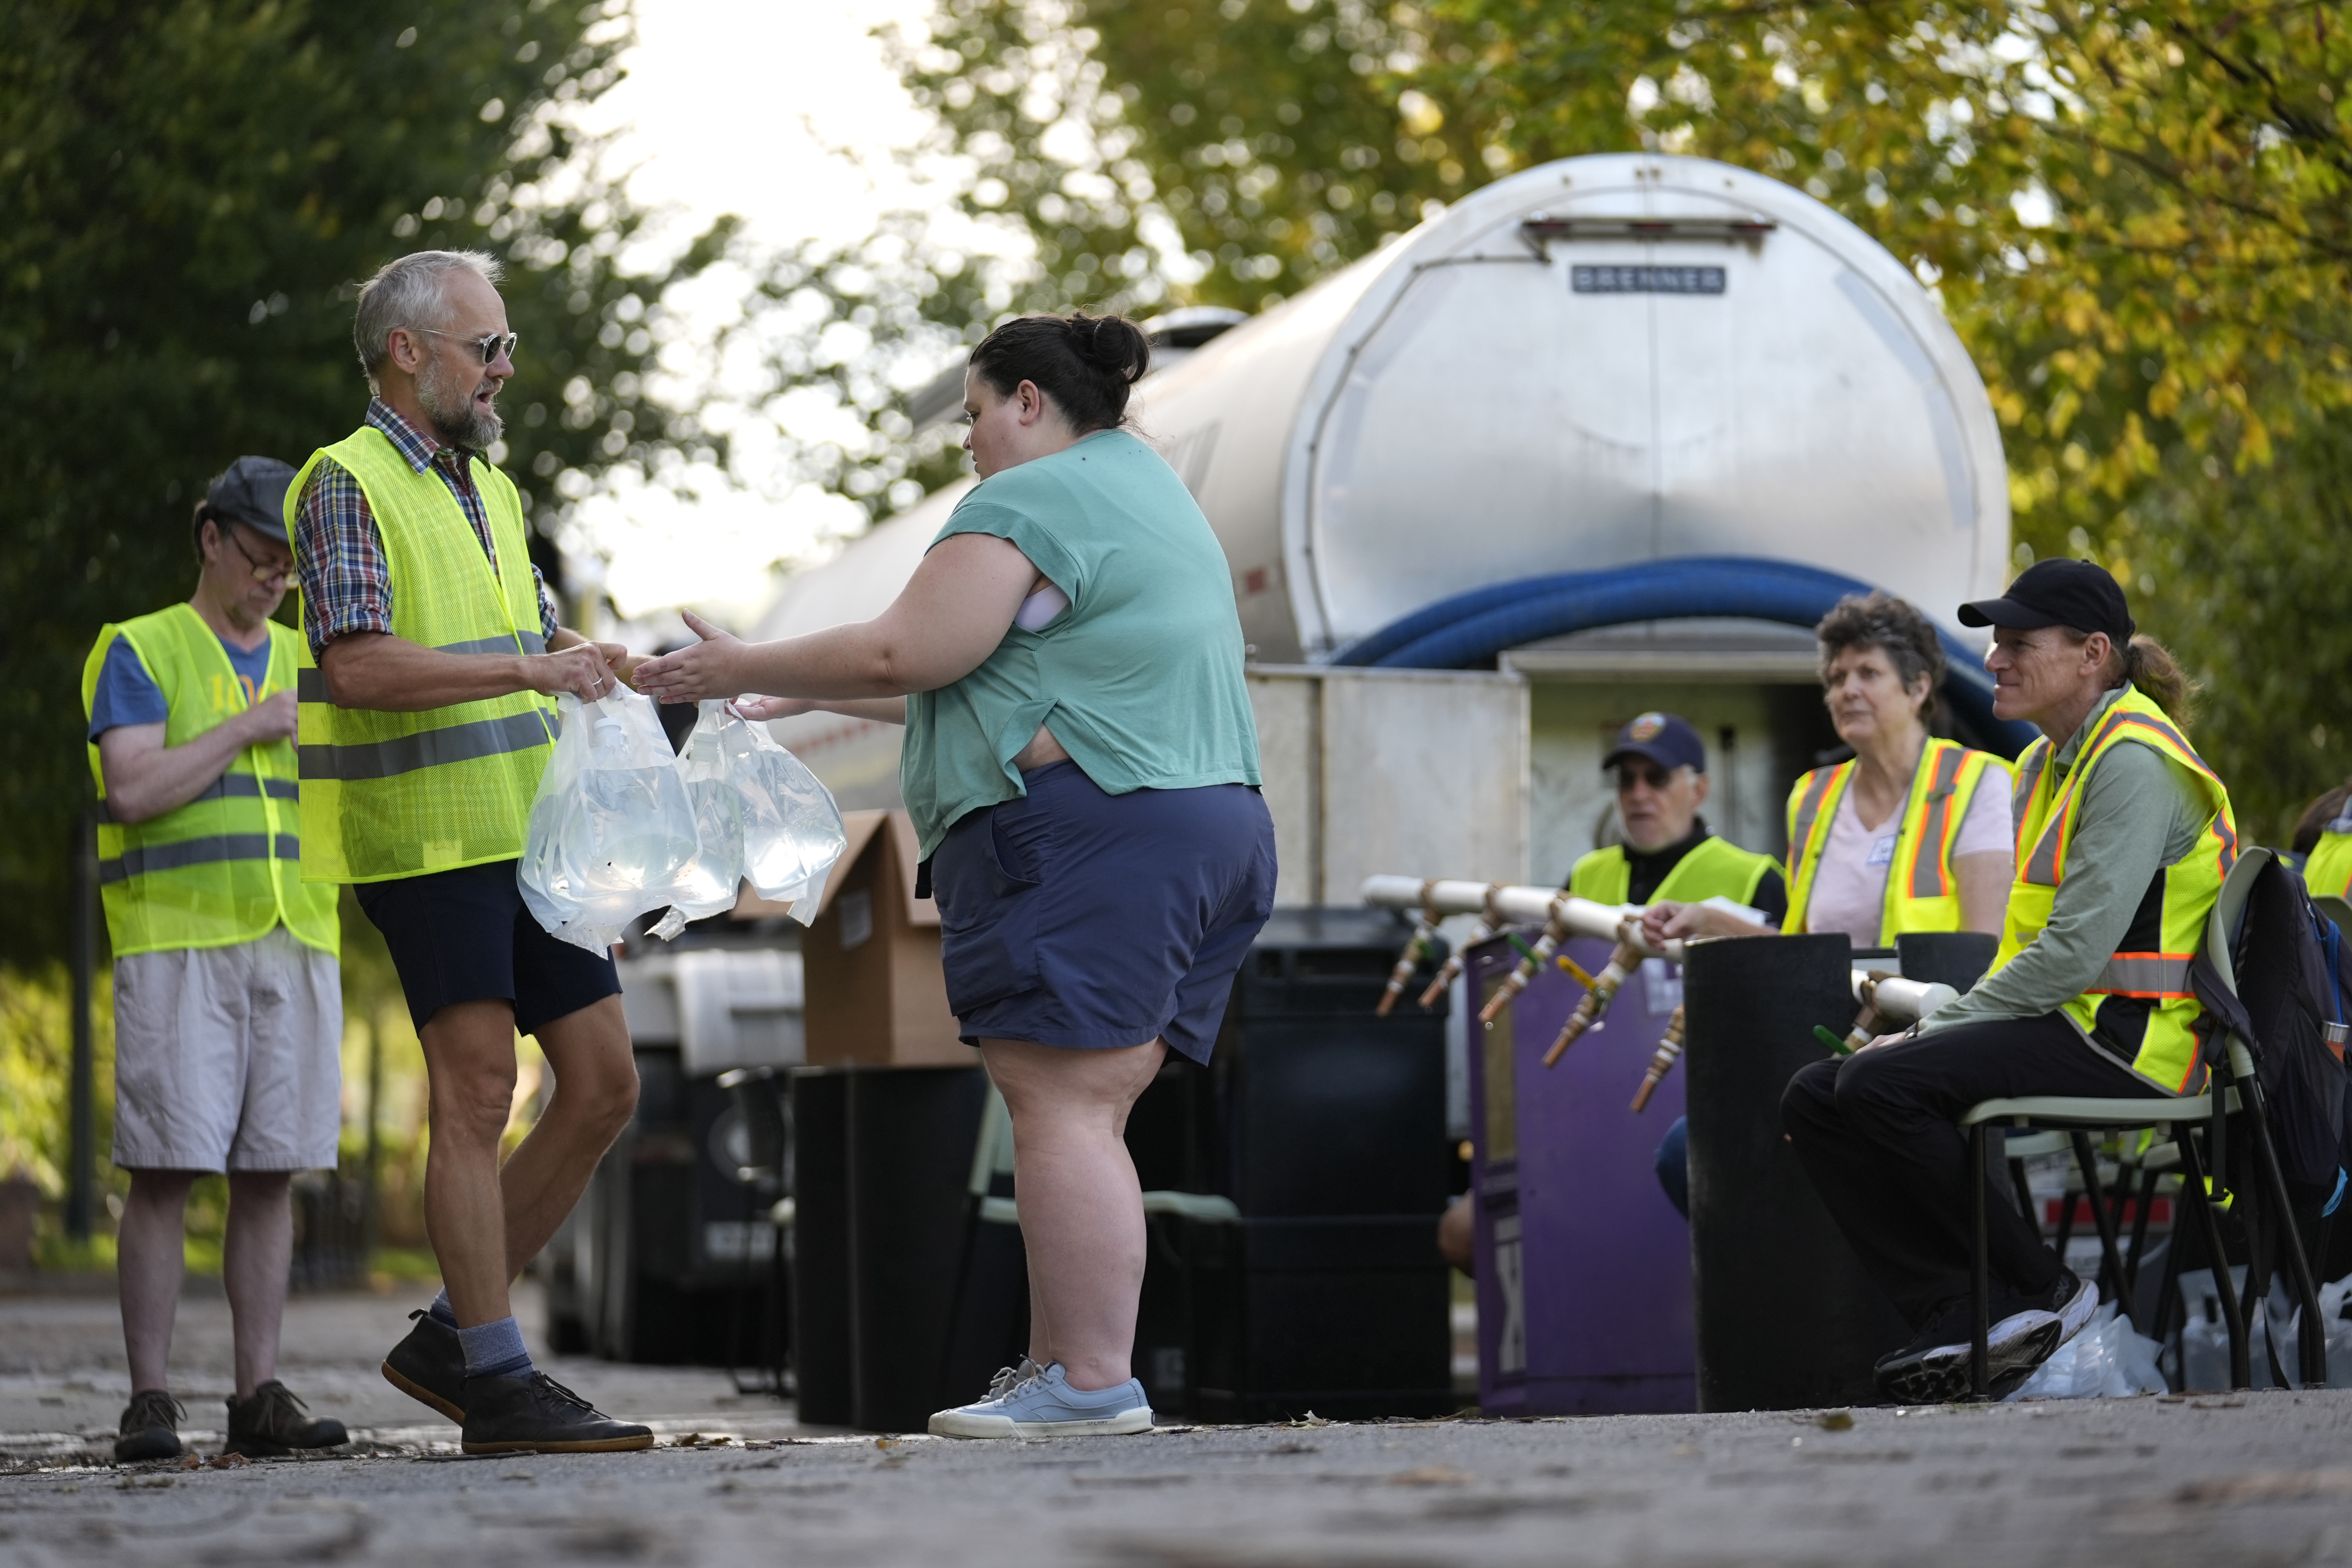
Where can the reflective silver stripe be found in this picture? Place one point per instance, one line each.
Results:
(311, 685)
(2144, 975)
(209, 851)
(1800, 833)
(228, 785)
(1927, 853)
(532, 643)
(429, 749)
(2042, 866)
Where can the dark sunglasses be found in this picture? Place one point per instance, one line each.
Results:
(1657, 778)
(489, 347)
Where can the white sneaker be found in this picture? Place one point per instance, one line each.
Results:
(1045, 1406)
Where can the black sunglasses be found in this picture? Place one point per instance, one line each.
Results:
(490, 347)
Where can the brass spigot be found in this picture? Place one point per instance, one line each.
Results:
(1488, 923)
(1415, 950)
(1532, 961)
(1624, 959)
(1669, 1048)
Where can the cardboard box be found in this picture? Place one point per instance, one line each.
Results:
(874, 992)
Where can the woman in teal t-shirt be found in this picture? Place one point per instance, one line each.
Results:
(1081, 767)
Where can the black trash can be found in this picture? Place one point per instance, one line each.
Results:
(1786, 1317)
(906, 1298)
(1325, 1125)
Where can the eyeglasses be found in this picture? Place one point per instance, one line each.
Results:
(1657, 779)
(263, 571)
(490, 347)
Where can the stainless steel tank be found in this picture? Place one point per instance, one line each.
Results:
(1597, 362)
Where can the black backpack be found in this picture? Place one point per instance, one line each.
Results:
(2289, 1007)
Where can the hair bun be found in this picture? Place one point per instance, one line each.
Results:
(1111, 342)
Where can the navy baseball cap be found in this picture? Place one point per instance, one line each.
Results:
(1663, 739)
(252, 491)
(2083, 595)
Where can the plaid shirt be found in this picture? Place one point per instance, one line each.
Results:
(339, 554)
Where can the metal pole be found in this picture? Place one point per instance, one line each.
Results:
(81, 1180)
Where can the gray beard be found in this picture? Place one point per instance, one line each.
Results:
(452, 415)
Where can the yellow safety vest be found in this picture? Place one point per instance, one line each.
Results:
(2328, 871)
(1714, 869)
(1923, 892)
(398, 794)
(226, 866)
(2140, 1010)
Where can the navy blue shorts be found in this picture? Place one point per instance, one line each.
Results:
(466, 936)
(1075, 918)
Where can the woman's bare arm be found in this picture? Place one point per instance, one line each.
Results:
(948, 619)
(881, 709)
(1984, 881)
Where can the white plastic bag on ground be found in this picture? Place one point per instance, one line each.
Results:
(612, 828)
(762, 818)
(2106, 1361)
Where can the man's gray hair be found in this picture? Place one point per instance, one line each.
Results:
(410, 292)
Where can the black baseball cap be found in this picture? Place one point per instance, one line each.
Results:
(1663, 739)
(2083, 595)
(251, 490)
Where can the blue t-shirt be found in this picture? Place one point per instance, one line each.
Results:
(127, 694)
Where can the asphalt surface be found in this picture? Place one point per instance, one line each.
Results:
(2250, 1480)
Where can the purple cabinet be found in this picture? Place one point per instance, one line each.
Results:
(1584, 1267)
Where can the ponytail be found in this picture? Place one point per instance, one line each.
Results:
(2147, 665)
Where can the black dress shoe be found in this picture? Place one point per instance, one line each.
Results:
(274, 1423)
(150, 1429)
(537, 1414)
(430, 1365)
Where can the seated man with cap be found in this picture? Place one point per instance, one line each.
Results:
(1698, 883)
(228, 1013)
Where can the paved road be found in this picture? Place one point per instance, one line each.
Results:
(2256, 1479)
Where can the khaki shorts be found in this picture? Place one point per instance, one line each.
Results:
(228, 1059)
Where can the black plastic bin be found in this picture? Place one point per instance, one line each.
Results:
(1786, 1317)
(904, 1299)
(1325, 1125)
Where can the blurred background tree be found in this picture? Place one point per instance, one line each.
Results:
(190, 194)
(2136, 214)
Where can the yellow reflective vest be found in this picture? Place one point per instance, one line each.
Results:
(398, 794)
(1713, 869)
(2328, 871)
(1923, 891)
(2140, 1010)
(226, 866)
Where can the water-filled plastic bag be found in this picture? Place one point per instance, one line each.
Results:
(612, 830)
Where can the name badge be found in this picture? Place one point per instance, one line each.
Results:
(1882, 851)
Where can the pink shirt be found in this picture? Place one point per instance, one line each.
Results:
(1850, 884)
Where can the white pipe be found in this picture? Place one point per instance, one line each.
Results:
(1519, 905)
(1903, 1000)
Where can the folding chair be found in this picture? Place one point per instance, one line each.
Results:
(2173, 1120)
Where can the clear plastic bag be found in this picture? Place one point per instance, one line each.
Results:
(612, 828)
(762, 818)
(2105, 1361)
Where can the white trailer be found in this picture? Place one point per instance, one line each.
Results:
(1605, 437)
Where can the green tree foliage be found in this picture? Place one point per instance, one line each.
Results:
(2136, 214)
(190, 191)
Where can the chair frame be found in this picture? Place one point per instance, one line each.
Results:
(2236, 1079)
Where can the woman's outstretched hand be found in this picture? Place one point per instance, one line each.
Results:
(711, 667)
(760, 710)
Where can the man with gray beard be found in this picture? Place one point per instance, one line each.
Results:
(430, 658)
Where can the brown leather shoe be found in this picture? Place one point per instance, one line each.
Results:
(274, 1423)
